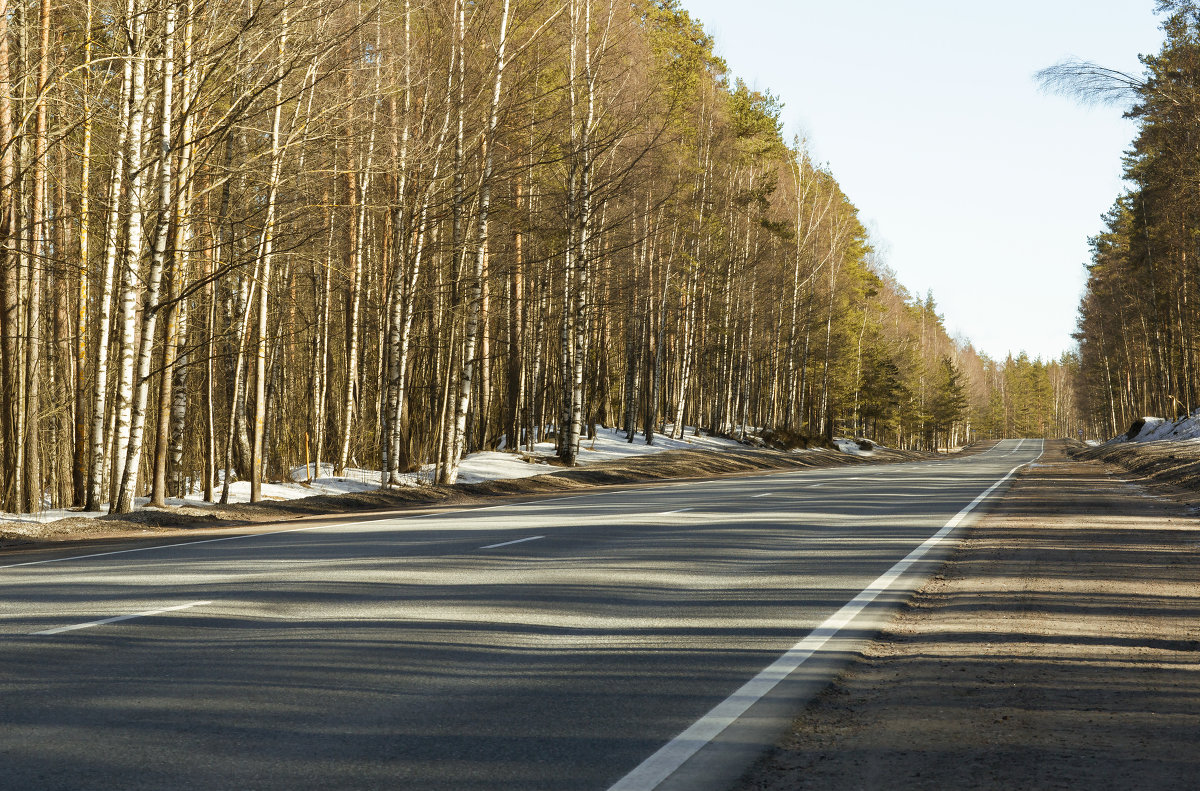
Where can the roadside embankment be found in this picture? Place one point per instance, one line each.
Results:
(1057, 648)
(668, 465)
(1165, 463)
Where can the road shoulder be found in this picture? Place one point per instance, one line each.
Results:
(1058, 648)
(198, 521)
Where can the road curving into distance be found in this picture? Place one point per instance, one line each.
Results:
(652, 638)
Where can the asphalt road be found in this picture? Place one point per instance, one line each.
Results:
(609, 640)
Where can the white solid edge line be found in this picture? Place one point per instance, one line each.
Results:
(509, 543)
(677, 511)
(103, 621)
(662, 764)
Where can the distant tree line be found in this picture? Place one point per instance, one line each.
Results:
(1030, 398)
(238, 237)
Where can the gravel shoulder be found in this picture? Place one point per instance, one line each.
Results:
(198, 521)
(1059, 647)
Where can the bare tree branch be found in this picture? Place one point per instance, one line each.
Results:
(1089, 83)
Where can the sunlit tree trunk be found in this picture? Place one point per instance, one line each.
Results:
(267, 251)
(32, 488)
(475, 283)
(80, 463)
(9, 279)
(131, 256)
(158, 261)
(358, 208)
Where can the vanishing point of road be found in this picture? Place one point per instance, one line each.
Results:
(652, 637)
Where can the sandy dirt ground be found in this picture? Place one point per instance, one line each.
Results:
(1059, 648)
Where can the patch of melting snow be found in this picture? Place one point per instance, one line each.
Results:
(851, 446)
(1154, 429)
(609, 444)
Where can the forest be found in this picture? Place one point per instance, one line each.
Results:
(245, 236)
(1140, 313)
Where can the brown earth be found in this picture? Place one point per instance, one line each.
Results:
(1059, 647)
(195, 520)
(1164, 465)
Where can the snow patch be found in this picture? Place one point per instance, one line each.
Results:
(1153, 429)
(852, 447)
(609, 444)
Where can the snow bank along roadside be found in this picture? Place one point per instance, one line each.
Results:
(1154, 429)
(608, 447)
(668, 463)
(1154, 449)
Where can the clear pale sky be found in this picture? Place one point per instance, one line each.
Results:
(974, 183)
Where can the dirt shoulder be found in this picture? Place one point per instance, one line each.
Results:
(1059, 647)
(195, 521)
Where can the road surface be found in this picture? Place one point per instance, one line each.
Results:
(652, 637)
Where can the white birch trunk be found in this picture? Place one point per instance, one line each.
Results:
(176, 373)
(132, 254)
(563, 435)
(458, 248)
(349, 411)
(98, 440)
(150, 306)
(403, 283)
(687, 337)
(580, 307)
(321, 363)
(474, 290)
